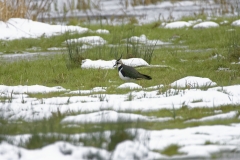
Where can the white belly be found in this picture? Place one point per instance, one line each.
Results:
(123, 78)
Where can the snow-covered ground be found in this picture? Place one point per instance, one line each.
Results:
(191, 141)
(105, 108)
(16, 28)
(100, 107)
(17, 104)
(161, 10)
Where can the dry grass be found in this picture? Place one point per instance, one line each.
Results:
(31, 9)
(36, 8)
(22, 9)
(12, 8)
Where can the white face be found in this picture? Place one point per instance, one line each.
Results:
(118, 65)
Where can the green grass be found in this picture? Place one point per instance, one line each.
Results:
(201, 45)
(47, 95)
(171, 150)
(189, 55)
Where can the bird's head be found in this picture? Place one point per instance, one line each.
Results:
(118, 62)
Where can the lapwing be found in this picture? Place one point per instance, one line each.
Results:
(128, 73)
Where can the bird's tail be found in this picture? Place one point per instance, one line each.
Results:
(146, 77)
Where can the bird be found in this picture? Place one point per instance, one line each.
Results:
(128, 73)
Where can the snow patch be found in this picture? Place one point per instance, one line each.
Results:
(229, 115)
(143, 40)
(129, 85)
(193, 82)
(89, 40)
(206, 25)
(102, 64)
(30, 89)
(110, 117)
(16, 28)
(102, 31)
(177, 24)
(236, 23)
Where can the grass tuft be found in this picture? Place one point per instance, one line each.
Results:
(119, 136)
(233, 46)
(171, 150)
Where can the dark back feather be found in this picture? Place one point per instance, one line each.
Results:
(131, 72)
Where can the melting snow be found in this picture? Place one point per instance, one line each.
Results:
(30, 89)
(110, 116)
(87, 63)
(236, 23)
(91, 40)
(193, 82)
(206, 25)
(229, 115)
(19, 105)
(143, 40)
(58, 150)
(130, 85)
(191, 140)
(134, 62)
(16, 28)
(130, 148)
(102, 31)
(177, 24)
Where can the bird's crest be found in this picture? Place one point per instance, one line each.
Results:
(118, 61)
(120, 58)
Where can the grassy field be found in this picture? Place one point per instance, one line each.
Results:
(190, 54)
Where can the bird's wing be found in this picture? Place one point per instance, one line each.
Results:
(128, 71)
